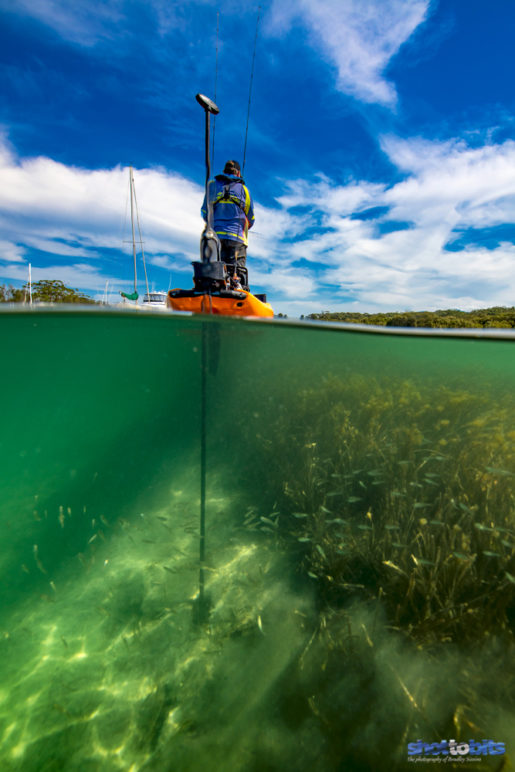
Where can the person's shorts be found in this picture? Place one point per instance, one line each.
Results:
(232, 252)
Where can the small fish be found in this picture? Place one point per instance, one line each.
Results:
(24, 568)
(353, 499)
(90, 541)
(260, 624)
(52, 585)
(421, 561)
(65, 643)
(38, 561)
(500, 472)
(321, 551)
(395, 568)
(170, 570)
(104, 520)
(148, 541)
(61, 519)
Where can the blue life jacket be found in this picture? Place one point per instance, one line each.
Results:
(233, 209)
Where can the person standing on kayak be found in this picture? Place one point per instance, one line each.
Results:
(233, 215)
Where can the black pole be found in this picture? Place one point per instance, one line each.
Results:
(203, 606)
(208, 173)
(210, 108)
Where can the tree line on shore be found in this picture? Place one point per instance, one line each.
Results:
(55, 291)
(497, 316)
(43, 291)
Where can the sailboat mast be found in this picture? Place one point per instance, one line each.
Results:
(132, 225)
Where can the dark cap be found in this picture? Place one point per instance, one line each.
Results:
(232, 167)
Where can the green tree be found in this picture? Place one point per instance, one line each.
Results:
(54, 291)
(12, 294)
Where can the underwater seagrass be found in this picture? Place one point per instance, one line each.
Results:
(397, 500)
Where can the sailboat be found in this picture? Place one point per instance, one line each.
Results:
(150, 299)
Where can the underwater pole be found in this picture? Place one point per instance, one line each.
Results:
(202, 610)
(202, 605)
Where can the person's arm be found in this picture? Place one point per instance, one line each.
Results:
(249, 207)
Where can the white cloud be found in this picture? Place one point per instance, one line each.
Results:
(55, 247)
(449, 188)
(11, 253)
(82, 21)
(359, 37)
(78, 213)
(315, 243)
(87, 23)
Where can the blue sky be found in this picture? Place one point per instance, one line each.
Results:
(380, 155)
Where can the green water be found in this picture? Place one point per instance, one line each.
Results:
(359, 544)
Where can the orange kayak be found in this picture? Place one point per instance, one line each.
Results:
(225, 303)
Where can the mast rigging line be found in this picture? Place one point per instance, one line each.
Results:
(140, 236)
(250, 89)
(134, 241)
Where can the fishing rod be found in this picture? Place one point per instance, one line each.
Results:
(216, 81)
(250, 90)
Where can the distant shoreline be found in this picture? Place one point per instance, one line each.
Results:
(498, 317)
